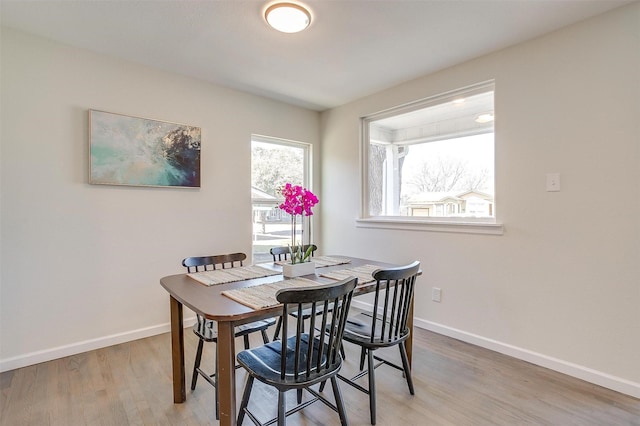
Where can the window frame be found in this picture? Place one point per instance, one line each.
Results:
(420, 223)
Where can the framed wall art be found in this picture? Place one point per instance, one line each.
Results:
(137, 151)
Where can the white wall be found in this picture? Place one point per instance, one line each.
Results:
(80, 263)
(561, 287)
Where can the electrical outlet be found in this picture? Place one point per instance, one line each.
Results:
(436, 294)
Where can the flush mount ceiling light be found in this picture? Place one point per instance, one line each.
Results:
(287, 17)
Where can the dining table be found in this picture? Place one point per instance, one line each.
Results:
(231, 301)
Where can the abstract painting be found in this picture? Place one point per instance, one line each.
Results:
(138, 151)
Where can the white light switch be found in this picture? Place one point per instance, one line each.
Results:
(436, 294)
(553, 182)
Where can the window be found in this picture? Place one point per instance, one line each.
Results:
(274, 162)
(432, 160)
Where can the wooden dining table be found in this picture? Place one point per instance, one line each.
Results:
(209, 302)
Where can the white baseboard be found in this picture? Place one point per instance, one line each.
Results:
(599, 378)
(87, 345)
(592, 376)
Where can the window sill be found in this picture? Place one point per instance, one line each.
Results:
(486, 228)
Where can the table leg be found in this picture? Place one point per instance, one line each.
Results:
(226, 373)
(177, 351)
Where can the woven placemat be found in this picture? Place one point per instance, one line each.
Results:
(229, 275)
(322, 261)
(363, 273)
(264, 295)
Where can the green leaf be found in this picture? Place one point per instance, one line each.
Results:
(307, 253)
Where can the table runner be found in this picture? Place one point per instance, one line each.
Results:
(221, 276)
(363, 273)
(264, 295)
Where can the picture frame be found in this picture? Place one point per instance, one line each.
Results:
(135, 151)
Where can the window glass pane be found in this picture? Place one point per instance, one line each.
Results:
(449, 178)
(434, 159)
(274, 163)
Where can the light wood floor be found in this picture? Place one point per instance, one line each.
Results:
(456, 384)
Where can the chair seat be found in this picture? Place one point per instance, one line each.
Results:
(208, 331)
(265, 363)
(358, 331)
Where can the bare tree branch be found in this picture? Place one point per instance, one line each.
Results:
(447, 174)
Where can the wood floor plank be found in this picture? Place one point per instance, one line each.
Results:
(456, 384)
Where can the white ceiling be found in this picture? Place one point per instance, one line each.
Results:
(352, 48)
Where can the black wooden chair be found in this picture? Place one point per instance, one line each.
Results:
(207, 330)
(309, 358)
(283, 253)
(384, 326)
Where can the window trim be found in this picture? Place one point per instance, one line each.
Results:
(439, 224)
(409, 224)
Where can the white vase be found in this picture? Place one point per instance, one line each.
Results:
(291, 270)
